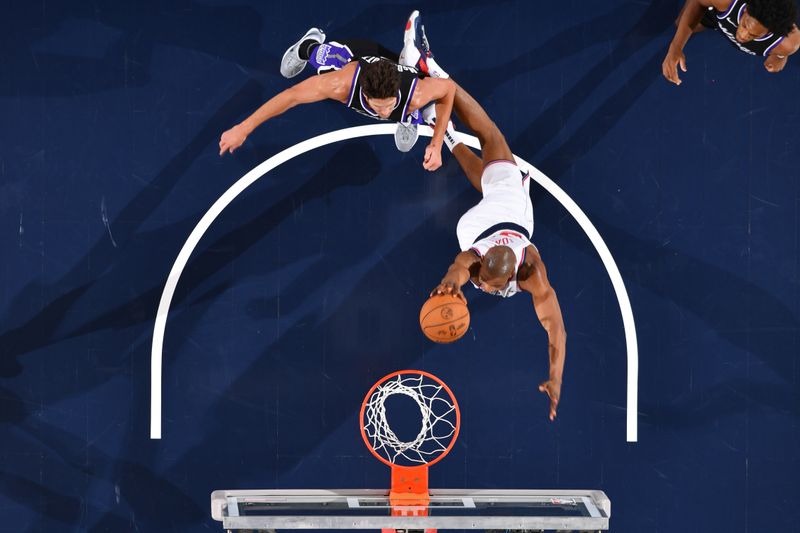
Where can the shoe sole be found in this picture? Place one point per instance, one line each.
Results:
(403, 146)
(313, 33)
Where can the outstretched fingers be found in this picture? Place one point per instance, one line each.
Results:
(548, 388)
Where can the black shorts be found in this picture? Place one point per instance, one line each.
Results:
(361, 48)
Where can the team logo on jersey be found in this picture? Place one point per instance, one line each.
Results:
(322, 53)
(732, 38)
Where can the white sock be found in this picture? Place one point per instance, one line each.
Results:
(434, 69)
(451, 138)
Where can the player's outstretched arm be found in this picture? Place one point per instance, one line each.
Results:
(689, 18)
(534, 280)
(334, 85)
(442, 92)
(457, 275)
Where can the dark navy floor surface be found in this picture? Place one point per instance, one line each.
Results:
(307, 288)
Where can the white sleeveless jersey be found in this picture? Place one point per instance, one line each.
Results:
(504, 237)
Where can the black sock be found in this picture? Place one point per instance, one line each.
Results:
(306, 48)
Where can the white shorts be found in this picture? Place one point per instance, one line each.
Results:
(506, 199)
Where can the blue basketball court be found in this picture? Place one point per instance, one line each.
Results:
(306, 288)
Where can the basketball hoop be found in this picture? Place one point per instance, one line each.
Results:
(409, 460)
(409, 445)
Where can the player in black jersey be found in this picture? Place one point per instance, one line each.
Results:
(369, 84)
(757, 27)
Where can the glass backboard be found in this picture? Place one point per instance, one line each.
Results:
(557, 510)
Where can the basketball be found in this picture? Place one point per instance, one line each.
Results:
(444, 318)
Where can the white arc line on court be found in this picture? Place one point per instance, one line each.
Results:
(156, 354)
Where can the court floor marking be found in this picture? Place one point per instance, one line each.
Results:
(159, 329)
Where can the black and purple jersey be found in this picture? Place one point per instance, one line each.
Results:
(728, 23)
(409, 77)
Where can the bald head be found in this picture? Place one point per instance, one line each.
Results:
(498, 263)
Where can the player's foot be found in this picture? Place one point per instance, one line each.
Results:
(416, 48)
(405, 136)
(410, 54)
(291, 64)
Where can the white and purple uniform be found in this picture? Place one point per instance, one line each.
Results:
(504, 217)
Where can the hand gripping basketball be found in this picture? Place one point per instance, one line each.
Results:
(444, 318)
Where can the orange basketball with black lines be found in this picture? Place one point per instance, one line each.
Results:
(444, 318)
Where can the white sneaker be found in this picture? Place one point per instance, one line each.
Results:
(410, 54)
(405, 136)
(416, 48)
(434, 70)
(291, 64)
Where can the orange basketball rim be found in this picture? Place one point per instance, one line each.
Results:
(410, 460)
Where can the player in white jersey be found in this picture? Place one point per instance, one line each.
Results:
(497, 254)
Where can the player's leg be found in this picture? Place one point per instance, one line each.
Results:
(470, 163)
(416, 48)
(295, 58)
(324, 57)
(361, 48)
(493, 143)
(416, 52)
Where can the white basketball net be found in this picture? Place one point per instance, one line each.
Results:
(436, 408)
